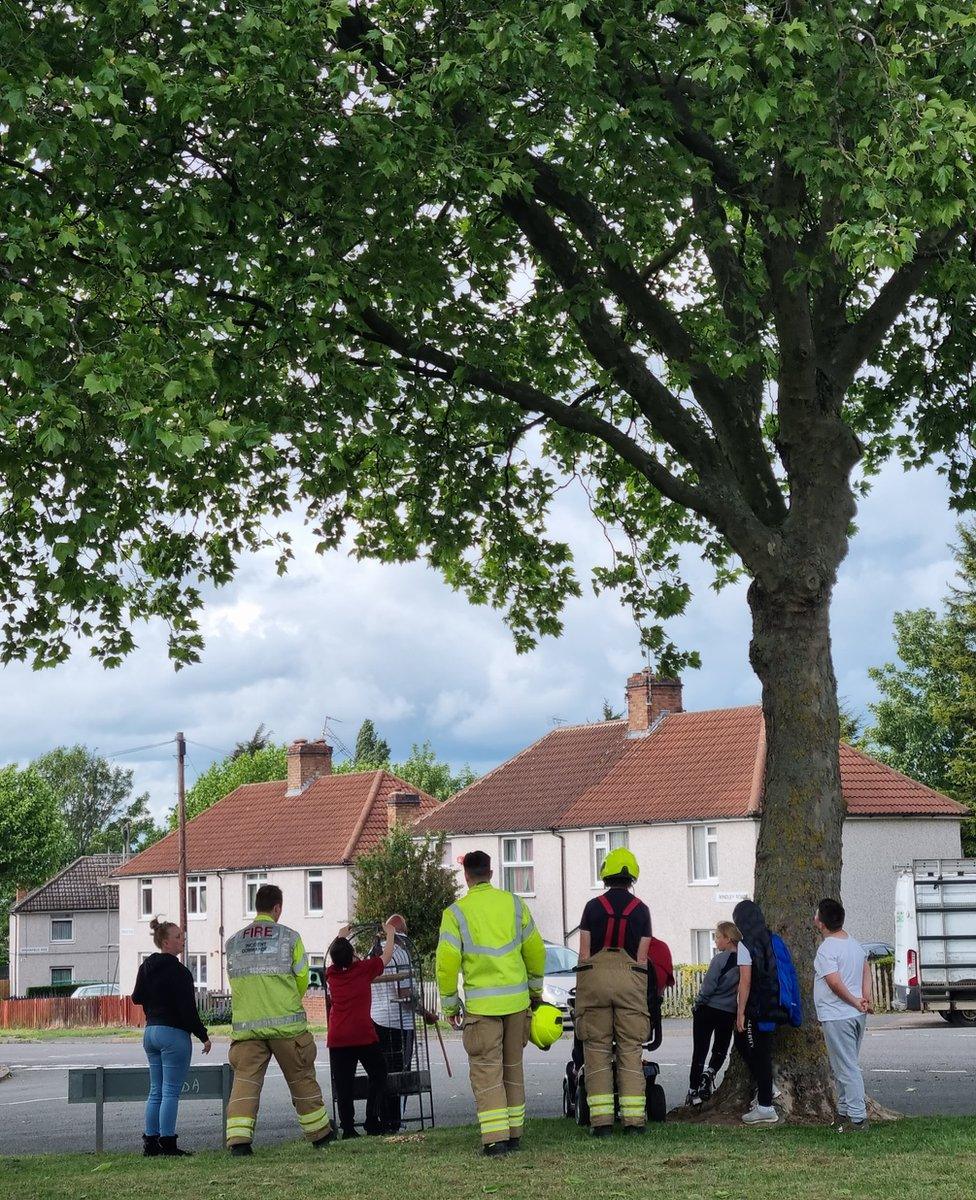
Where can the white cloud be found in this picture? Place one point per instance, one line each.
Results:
(345, 639)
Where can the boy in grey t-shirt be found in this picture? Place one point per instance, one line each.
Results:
(842, 997)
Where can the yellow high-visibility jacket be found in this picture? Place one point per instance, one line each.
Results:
(268, 977)
(490, 938)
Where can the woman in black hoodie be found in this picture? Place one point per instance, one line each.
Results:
(164, 988)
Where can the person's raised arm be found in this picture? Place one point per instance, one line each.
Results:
(390, 945)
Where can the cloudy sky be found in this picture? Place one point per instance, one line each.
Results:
(344, 640)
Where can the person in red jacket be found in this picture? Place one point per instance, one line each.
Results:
(352, 1037)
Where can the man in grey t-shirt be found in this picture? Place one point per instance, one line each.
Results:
(842, 997)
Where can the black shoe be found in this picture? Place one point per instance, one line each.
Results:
(693, 1099)
(322, 1142)
(349, 1133)
(495, 1149)
(241, 1150)
(150, 1145)
(631, 1130)
(601, 1131)
(514, 1143)
(169, 1149)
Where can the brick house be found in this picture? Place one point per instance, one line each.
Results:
(684, 791)
(67, 930)
(302, 833)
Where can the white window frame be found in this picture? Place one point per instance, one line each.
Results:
(59, 982)
(255, 879)
(602, 841)
(314, 876)
(70, 921)
(196, 894)
(146, 888)
(524, 860)
(696, 938)
(710, 836)
(195, 962)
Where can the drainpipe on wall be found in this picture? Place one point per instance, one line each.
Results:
(562, 878)
(220, 927)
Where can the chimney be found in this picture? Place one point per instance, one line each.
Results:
(648, 698)
(402, 808)
(20, 893)
(307, 761)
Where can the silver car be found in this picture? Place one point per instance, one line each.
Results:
(560, 977)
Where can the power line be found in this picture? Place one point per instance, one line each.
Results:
(137, 749)
(204, 746)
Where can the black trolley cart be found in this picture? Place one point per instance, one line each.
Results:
(406, 1051)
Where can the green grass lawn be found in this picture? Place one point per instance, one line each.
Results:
(934, 1157)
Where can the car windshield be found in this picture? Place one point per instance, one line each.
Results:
(560, 960)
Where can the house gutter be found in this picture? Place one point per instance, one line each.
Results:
(220, 926)
(562, 878)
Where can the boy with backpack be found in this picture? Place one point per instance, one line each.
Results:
(713, 1018)
(768, 995)
(842, 997)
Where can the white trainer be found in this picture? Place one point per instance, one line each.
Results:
(761, 1116)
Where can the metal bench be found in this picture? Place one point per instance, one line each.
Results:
(120, 1085)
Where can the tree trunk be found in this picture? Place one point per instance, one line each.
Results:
(798, 861)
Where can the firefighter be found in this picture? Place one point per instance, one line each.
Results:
(268, 977)
(611, 997)
(490, 938)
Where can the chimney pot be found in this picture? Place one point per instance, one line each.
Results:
(649, 696)
(402, 808)
(307, 761)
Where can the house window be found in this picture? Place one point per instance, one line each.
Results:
(704, 853)
(251, 884)
(518, 869)
(702, 945)
(62, 929)
(196, 895)
(315, 892)
(197, 964)
(145, 899)
(603, 841)
(62, 975)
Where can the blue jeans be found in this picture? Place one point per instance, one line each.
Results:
(168, 1051)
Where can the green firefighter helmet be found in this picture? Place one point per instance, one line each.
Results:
(620, 862)
(547, 1026)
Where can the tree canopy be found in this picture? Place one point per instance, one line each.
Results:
(99, 810)
(321, 254)
(370, 747)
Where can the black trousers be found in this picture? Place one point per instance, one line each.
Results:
(756, 1049)
(710, 1027)
(397, 1048)
(343, 1060)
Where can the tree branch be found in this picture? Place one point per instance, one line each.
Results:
(863, 338)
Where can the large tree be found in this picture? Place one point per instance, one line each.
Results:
(371, 749)
(409, 267)
(96, 801)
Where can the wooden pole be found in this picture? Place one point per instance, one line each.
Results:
(181, 811)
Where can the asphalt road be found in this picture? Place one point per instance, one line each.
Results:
(917, 1065)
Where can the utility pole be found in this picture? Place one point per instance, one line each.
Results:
(181, 816)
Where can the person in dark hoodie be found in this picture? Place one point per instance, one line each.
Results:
(164, 988)
(757, 1007)
(713, 1019)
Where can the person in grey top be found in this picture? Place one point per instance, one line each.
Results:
(713, 1020)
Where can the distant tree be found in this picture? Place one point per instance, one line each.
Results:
(406, 875)
(96, 801)
(34, 842)
(223, 777)
(260, 739)
(609, 714)
(422, 769)
(955, 661)
(371, 749)
(851, 725)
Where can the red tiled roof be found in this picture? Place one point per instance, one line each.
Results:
(533, 789)
(694, 766)
(335, 818)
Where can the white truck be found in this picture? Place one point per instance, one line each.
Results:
(935, 939)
